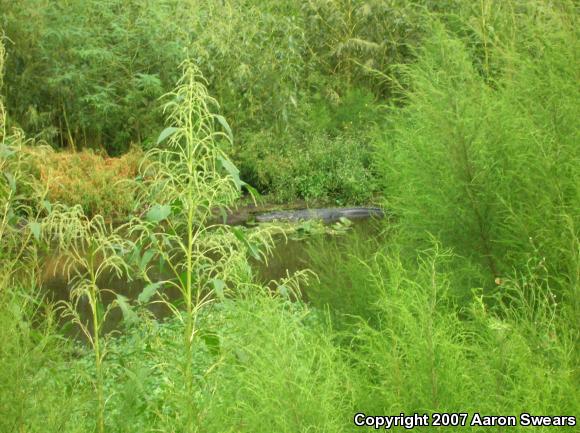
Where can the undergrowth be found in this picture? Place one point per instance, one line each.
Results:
(274, 364)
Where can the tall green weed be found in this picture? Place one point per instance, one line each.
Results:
(414, 348)
(489, 164)
(40, 391)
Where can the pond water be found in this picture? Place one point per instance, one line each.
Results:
(288, 255)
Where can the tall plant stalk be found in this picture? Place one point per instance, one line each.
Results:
(92, 250)
(186, 181)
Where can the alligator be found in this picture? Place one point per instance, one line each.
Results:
(328, 215)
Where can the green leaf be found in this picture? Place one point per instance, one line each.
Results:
(35, 228)
(254, 252)
(232, 170)
(224, 123)
(253, 191)
(11, 216)
(167, 132)
(212, 342)
(135, 255)
(177, 206)
(46, 204)
(6, 151)
(238, 233)
(183, 279)
(146, 259)
(11, 181)
(129, 316)
(148, 292)
(158, 213)
(218, 287)
(100, 312)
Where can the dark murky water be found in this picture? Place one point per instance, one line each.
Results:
(289, 255)
(294, 254)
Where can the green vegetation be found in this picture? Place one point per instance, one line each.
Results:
(129, 128)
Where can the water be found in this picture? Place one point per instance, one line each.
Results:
(293, 255)
(288, 256)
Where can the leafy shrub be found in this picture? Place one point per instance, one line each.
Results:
(89, 74)
(323, 169)
(425, 353)
(261, 359)
(246, 377)
(281, 368)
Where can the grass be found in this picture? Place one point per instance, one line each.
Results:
(264, 362)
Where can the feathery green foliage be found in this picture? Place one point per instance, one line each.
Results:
(91, 250)
(489, 164)
(422, 356)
